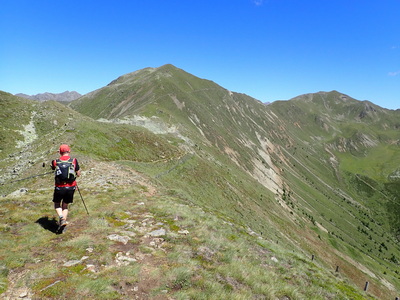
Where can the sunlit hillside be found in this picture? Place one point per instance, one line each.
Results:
(213, 194)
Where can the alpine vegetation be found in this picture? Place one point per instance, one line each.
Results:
(198, 192)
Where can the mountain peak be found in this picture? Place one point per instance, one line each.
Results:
(142, 72)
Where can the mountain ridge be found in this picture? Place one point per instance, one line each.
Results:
(281, 158)
(307, 176)
(66, 96)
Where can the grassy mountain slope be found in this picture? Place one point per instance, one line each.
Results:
(360, 142)
(281, 174)
(312, 162)
(343, 153)
(140, 242)
(32, 132)
(143, 238)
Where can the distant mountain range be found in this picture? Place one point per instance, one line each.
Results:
(66, 96)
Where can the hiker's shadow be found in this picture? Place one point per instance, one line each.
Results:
(48, 224)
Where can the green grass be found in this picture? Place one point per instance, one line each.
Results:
(378, 164)
(331, 181)
(215, 259)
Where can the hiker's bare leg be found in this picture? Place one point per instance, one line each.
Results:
(61, 209)
(64, 208)
(57, 206)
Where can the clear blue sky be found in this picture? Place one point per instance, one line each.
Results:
(268, 49)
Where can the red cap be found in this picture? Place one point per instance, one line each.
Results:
(64, 148)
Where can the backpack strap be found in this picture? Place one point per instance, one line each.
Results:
(73, 161)
(58, 160)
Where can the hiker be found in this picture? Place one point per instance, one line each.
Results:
(67, 169)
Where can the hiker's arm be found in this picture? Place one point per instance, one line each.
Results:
(77, 168)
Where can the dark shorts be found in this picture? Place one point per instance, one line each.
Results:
(65, 194)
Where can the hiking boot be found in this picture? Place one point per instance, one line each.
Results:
(63, 222)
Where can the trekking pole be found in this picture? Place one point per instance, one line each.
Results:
(82, 199)
(28, 177)
(33, 176)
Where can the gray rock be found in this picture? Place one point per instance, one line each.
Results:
(119, 238)
(158, 232)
